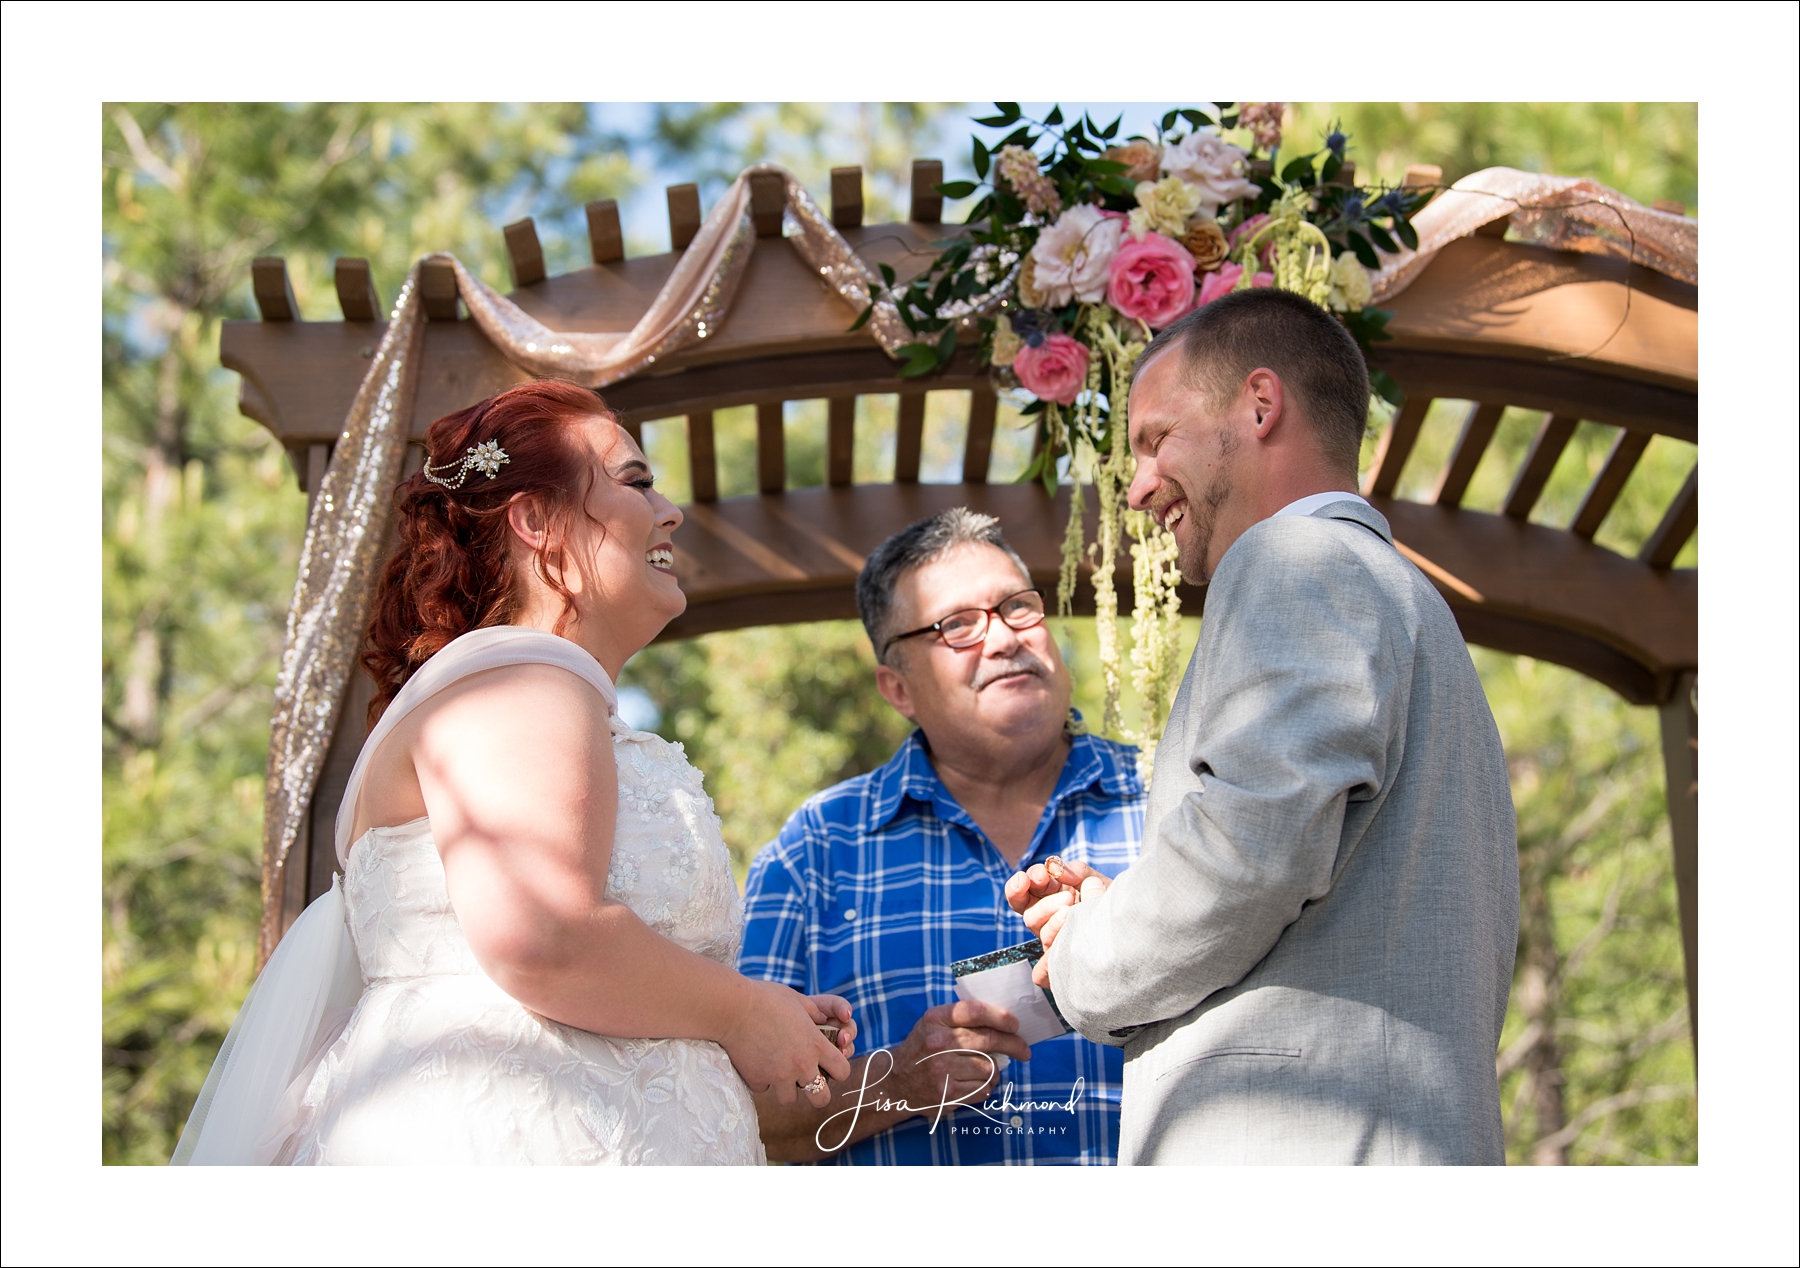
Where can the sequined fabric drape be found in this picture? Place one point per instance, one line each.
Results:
(1564, 213)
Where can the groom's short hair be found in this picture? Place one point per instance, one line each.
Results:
(919, 543)
(1318, 361)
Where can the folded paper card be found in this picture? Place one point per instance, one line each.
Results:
(1004, 978)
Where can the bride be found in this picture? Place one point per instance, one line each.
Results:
(529, 959)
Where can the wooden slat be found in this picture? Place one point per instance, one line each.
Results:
(840, 443)
(927, 203)
(356, 293)
(1621, 460)
(1678, 524)
(768, 198)
(1681, 768)
(703, 465)
(605, 238)
(524, 252)
(909, 438)
(979, 450)
(1396, 446)
(1547, 447)
(274, 293)
(771, 448)
(847, 197)
(437, 292)
(318, 457)
(684, 214)
(1477, 433)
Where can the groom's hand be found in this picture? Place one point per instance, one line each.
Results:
(1044, 894)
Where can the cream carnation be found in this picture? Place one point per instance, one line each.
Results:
(1350, 288)
(1213, 167)
(1164, 207)
(1072, 257)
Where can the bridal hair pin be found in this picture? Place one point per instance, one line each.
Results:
(486, 458)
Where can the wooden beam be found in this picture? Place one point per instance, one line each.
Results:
(1558, 387)
(1396, 446)
(703, 464)
(1477, 433)
(437, 291)
(979, 450)
(605, 238)
(1424, 174)
(1621, 460)
(356, 293)
(771, 448)
(1547, 447)
(274, 293)
(318, 457)
(840, 444)
(847, 197)
(524, 252)
(927, 203)
(1678, 524)
(1680, 720)
(909, 437)
(768, 199)
(684, 214)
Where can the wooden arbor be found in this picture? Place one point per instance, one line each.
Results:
(1488, 322)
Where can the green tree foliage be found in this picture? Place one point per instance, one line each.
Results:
(201, 520)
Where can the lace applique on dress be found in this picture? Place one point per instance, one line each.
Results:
(438, 1064)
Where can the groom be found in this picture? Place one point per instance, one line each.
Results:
(1310, 962)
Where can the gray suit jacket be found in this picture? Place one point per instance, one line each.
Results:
(1310, 961)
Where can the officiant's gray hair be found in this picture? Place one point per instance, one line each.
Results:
(920, 543)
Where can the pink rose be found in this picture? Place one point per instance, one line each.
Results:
(1225, 281)
(1053, 370)
(1152, 280)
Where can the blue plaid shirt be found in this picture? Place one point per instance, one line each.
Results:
(876, 886)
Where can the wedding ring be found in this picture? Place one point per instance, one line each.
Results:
(817, 1085)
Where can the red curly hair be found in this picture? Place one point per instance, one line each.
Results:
(450, 571)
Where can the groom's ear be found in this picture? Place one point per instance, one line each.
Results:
(891, 683)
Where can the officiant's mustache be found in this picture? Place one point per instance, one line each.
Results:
(1020, 662)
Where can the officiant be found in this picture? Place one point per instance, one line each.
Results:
(877, 886)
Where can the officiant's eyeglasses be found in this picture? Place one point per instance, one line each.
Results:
(969, 626)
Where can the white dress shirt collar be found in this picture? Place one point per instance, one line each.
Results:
(1313, 501)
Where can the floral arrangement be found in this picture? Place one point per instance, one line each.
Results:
(1081, 247)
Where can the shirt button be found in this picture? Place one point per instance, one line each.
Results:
(850, 913)
(1018, 1120)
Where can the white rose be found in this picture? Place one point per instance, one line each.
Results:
(1211, 166)
(1072, 257)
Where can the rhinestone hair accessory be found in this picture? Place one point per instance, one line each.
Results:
(487, 458)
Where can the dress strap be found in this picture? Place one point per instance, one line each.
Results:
(473, 653)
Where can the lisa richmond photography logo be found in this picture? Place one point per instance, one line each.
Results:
(1003, 1114)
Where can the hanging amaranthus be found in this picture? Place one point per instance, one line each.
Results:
(1302, 251)
(1155, 629)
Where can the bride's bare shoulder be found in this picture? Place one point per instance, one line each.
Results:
(535, 698)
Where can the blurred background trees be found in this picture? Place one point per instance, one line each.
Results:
(202, 519)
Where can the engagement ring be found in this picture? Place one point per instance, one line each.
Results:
(817, 1085)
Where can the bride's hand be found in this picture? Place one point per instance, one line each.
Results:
(775, 1044)
(835, 1008)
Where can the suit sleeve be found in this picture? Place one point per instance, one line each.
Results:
(1296, 675)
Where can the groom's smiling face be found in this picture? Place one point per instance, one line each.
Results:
(1010, 685)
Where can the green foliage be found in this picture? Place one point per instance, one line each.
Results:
(771, 716)
(1596, 1059)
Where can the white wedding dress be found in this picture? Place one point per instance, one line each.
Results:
(434, 1063)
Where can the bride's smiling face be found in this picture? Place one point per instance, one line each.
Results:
(625, 587)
